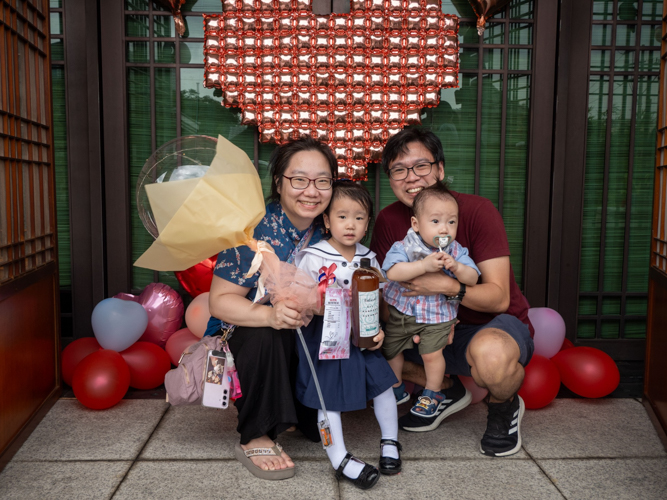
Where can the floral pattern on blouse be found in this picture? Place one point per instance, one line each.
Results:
(277, 230)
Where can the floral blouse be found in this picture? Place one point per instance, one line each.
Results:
(277, 230)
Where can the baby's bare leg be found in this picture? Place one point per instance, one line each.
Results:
(434, 366)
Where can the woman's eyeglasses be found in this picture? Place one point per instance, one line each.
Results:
(420, 170)
(321, 183)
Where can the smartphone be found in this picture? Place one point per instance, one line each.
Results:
(216, 381)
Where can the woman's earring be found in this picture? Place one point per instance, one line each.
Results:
(326, 230)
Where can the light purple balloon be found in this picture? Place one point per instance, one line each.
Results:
(165, 311)
(549, 331)
(118, 324)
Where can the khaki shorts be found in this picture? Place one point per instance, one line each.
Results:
(401, 328)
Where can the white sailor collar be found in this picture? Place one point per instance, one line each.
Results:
(326, 251)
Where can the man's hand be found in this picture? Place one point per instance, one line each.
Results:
(431, 284)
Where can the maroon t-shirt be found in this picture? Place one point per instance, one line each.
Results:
(481, 231)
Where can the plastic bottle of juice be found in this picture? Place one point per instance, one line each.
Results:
(365, 305)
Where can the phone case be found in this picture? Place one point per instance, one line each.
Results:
(216, 381)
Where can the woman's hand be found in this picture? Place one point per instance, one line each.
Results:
(379, 338)
(285, 316)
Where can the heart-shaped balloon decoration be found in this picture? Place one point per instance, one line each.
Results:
(118, 324)
(197, 279)
(350, 80)
(164, 307)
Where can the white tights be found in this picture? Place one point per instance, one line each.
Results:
(387, 417)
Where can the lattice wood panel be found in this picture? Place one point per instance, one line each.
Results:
(659, 241)
(27, 238)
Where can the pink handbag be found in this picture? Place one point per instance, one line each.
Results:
(185, 383)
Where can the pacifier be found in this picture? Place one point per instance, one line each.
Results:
(442, 242)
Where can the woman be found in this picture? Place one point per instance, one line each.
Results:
(263, 344)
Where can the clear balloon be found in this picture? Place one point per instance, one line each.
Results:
(148, 365)
(180, 159)
(165, 311)
(178, 343)
(541, 382)
(549, 330)
(118, 324)
(197, 315)
(587, 371)
(101, 379)
(74, 353)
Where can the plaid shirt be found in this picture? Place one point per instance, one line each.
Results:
(426, 309)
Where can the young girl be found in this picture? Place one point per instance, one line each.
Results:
(347, 384)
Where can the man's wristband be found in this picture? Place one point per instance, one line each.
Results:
(459, 296)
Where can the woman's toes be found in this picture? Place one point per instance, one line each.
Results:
(287, 460)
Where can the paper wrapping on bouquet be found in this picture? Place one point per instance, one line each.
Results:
(350, 80)
(197, 218)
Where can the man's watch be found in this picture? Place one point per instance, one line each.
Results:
(459, 296)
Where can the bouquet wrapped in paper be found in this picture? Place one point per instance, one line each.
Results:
(197, 218)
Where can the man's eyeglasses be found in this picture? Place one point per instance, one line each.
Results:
(420, 170)
(301, 183)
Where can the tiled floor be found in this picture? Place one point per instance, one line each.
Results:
(573, 449)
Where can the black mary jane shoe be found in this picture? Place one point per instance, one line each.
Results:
(390, 466)
(368, 477)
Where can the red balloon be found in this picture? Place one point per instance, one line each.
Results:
(567, 344)
(179, 342)
(101, 379)
(148, 365)
(74, 353)
(541, 382)
(197, 279)
(587, 371)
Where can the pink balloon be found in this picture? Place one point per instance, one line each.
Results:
(477, 392)
(197, 315)
(549, 330)
(178, 343)
(165, 311)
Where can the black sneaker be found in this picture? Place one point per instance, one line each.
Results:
(457, 398)
(503, 428)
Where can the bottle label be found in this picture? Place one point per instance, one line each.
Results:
(369, 313)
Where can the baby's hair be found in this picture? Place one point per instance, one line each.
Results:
(438, 190)
(355, 192)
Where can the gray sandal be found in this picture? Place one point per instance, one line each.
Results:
(243, 456)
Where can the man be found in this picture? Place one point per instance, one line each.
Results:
(492, 343)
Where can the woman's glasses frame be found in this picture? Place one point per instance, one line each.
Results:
(297, 182)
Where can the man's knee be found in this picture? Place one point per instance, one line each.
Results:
(493, 351)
